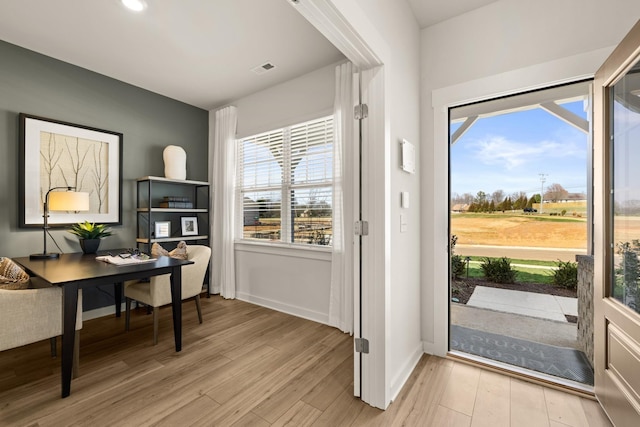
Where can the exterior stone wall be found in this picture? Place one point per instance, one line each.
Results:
(585, 305)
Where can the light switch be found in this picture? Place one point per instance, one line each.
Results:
(403, 223)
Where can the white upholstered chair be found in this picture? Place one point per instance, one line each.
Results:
(157, 291)
(31, 315)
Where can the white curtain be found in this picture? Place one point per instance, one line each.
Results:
(344, 169)
(222, 145)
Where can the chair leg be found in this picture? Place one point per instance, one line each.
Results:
(156, 316)
(75, 369)
(199, 308)
(54, 350)
(127, 315)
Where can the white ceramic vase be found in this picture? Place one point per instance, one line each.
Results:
(175, 162)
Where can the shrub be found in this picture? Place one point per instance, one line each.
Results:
(457, 262)
(566, 275)
(458, 265)
(498, 270)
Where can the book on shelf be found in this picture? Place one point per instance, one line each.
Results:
(176, 199)
(176, 205)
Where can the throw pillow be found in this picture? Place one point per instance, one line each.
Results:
(12, 276)
(180, 252)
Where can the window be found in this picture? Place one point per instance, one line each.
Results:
(285, 183)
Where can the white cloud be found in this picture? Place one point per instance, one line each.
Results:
(501, 152)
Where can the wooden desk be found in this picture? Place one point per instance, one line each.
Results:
(78, 271)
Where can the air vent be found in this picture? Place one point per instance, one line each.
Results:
(267, 66)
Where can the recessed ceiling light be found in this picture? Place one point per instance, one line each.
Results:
(135, 5)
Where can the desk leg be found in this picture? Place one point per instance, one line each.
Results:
(176, 305)
(117, 291)
(69, 309)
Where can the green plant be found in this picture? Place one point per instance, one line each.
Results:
(88, 230)
(566, 275)
(498, 270)
(457, 262)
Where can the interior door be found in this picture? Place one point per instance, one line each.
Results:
(617, 232)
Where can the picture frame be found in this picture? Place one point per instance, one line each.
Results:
(52, 154)
(189, 225)
(162, 229)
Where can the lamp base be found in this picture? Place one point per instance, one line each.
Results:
(47, 255)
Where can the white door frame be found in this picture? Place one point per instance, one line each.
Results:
(344, 24)
(565, 70)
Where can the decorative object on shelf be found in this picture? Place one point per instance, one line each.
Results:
(69, 201)
(163, 229)
(189, 225)
(89, 235)
(175, 162)
(54, 153)
(179, 252)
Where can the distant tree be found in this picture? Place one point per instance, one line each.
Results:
(519, 200)
(492, 206)
(506, 204)
(497, 196)
(555, 192)
(480, 198)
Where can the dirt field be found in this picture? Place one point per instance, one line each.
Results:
(519, 230)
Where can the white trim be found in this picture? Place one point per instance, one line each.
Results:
(285, 249)
(293, 310)
(403, 375)
(565, 70)
(101, 312)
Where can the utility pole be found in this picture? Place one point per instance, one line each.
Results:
(543, 178)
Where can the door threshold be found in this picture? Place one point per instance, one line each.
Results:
(568, 386)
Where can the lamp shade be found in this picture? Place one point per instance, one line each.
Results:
(68, 201)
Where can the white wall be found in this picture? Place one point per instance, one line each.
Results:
(505, 47)
(292, 280)
(397, 26)
(304, 98)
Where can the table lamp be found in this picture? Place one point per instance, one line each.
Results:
(60, 201)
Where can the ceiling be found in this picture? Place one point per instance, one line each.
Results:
(430, 12)
(201, 52)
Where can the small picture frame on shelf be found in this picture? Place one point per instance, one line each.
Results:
(189, 225)
(163, 229)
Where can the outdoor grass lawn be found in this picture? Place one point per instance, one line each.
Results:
(523, 275)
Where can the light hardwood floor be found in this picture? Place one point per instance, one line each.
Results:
(250, 366)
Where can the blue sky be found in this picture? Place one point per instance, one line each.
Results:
(508, 152)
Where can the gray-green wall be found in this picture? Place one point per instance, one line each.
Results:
(39, 85)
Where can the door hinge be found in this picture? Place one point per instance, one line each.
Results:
(361, 111)
(362, 345)
(361, 228)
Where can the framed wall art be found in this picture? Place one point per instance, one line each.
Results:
(59, 154)
(162, 229)
(189, 225)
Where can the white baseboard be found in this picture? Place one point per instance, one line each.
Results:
(285, 308)
(405, 372)
(101, 312)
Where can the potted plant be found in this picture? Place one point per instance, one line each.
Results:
(90, 235)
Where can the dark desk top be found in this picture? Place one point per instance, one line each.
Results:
(83, 268)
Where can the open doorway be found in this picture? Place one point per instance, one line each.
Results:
(520, 209)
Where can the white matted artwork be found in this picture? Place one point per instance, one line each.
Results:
(189, 225)
(59, 154)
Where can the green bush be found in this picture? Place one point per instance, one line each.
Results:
(458, 265)
(566, 275)
(498, 270)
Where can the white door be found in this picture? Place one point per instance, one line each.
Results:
(616, 125)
